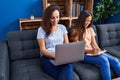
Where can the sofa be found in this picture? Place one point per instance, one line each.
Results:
(19, 55)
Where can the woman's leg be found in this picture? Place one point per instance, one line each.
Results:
(103, 63)
(63, 72)
(114, 63)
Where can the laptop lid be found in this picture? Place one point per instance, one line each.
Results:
(68, 53)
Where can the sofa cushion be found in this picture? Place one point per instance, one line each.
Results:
(30, 69)
(108, 34)
(109, 38)
(23, 45)
(114, 50)
(88, 71)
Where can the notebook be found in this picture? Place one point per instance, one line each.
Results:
(68, 53)
(102, 51)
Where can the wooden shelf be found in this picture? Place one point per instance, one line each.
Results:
(30, 20)
(27, 24)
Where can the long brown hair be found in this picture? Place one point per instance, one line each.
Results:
(46, 18)
(81, 21)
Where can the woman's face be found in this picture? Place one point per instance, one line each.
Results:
(88, 21)
(55, 18)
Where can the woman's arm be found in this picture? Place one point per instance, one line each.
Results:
(43, 49)
(66, 38)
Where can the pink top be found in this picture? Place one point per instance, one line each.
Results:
(87, 36)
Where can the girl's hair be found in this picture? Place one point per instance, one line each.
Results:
(46, 18)
(80, 24)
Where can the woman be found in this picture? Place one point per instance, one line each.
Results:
(84, 31)
(50, 34)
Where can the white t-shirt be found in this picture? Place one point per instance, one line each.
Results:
(54, 38)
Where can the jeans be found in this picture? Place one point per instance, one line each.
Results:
(105, 61)
(62, 72)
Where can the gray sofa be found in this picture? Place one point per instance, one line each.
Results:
(19, 57)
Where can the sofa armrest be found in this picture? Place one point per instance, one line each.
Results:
(4, 61)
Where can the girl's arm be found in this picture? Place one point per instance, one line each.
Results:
(95, 47)
(43, 49)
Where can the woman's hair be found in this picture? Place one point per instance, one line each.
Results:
(46, 18)
(80, 24)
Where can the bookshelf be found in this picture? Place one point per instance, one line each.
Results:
(70, 10)
(27, 23)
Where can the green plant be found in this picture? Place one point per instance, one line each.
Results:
(105, 9)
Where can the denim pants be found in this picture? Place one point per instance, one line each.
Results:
(62, 72)
(105, 62)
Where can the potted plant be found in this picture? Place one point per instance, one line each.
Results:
(105, 9)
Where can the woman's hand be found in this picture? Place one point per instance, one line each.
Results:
(53, 56)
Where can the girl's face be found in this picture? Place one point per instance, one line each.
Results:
(88, 21)
(55, 18)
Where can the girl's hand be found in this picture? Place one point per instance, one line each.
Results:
(96, 51)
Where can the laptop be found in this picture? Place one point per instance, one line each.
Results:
(68, 53)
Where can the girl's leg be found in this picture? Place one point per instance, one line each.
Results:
(114, 63)
(103, 63)
(63, 72)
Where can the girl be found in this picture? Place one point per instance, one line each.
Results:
(83, 31)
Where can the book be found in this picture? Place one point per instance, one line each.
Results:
(101, 52)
